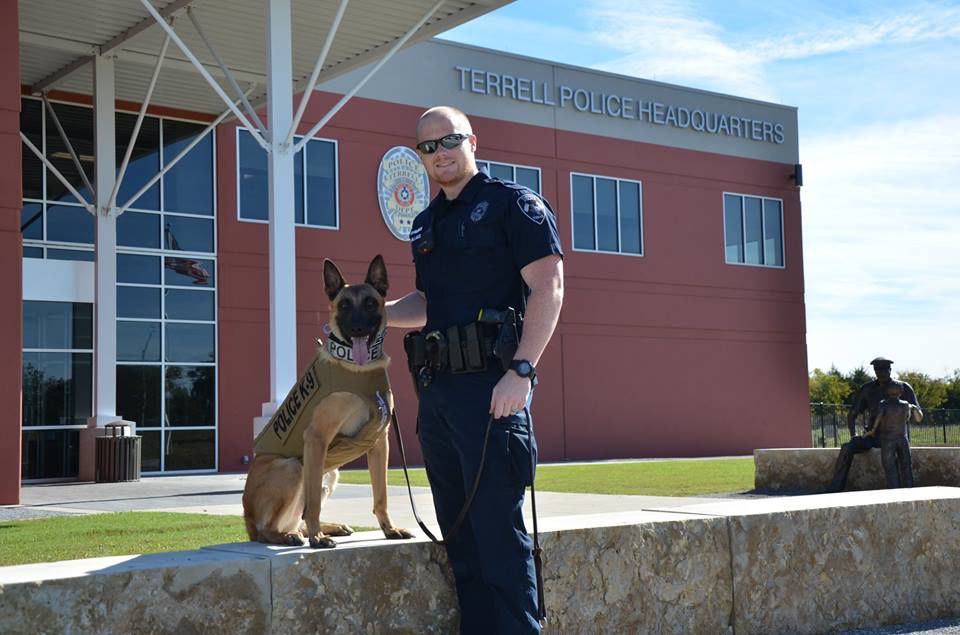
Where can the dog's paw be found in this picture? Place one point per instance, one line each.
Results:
(322, 542)
(293, 540)
(336, 529)
(396, 533)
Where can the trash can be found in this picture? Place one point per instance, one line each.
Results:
(117, 455)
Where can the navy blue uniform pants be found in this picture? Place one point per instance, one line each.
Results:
(491, 554)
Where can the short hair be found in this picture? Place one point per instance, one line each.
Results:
(455, 115)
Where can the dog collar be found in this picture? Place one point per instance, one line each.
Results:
(343, 351)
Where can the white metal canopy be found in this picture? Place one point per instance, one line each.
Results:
(57, 35)
(212, 56)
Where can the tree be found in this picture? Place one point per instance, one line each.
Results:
(827, 387)
(953, 390)
(931, 391)
(856, 378)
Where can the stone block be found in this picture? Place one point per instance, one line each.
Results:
(817, 564)
(638, 572)
(811, 469)
(176, 593)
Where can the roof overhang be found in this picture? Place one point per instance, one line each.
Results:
(57, 40)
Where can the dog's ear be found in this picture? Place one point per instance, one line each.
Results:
(377, 276)
(332, 280)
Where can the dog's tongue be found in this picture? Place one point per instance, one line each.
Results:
(361, 352)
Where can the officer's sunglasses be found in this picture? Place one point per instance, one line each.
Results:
(449, 142)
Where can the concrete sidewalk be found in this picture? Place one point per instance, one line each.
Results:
(350, 504)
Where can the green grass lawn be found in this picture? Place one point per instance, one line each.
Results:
(91, 536)
(650, 478)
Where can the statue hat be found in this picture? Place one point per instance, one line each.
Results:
(881, 361)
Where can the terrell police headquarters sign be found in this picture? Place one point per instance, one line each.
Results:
(631, 107)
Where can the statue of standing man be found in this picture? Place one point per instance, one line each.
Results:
(867, 400)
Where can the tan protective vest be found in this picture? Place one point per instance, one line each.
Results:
(283, 434)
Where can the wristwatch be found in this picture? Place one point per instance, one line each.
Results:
(523, 368)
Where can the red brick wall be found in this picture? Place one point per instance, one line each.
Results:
(10, 255)
(671, 354)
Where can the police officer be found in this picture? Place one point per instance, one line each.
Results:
(867, 400)
(482, 243)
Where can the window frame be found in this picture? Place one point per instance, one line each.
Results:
(336, 178)
(513, 167)
(617, 179)
(743, 229)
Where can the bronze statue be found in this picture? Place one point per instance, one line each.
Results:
(867, 399)
(891, 429)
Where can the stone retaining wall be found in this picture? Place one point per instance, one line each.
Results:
(811, 469)
(805, 564)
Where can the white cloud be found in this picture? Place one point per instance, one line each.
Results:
(667, 40)
(881, 221)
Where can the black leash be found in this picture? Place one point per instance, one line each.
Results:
(462, 516)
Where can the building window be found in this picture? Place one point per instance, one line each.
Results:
(753, 230)
(526, 176)
(57, 386)
(607, 214)
(166, 286)
(316, 195)
(166, 357)
(176, 213)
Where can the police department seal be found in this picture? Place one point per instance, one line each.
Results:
(403, 189)
(532, 207)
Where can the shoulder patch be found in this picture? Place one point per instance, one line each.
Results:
(532, 207)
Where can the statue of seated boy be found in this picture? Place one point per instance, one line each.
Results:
(890, 429)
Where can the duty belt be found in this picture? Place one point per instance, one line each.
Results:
(465, 349)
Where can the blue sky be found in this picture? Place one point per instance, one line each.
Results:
(877, 85)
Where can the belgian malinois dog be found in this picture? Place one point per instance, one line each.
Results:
(338, 411)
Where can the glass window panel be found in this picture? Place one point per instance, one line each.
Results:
(607, 215)
(149, 451)
(31, 124)
(188, 272)
(138, 341)
(772, 233)
(136, 229)
(32, 252)
(185, 304)
(753, 222)
(64, 325)
(190, 394)
(298, 188)
(138, 269)
(57, 388)
(190, 450)
(190, 342)
(321, 184)
(138, 302)
(630, 229)
(50, 454)
(138, 395)
(528, 177)
(188, 186)
(70, 254)
(77, 122)
(31, 221)
(182, 233)
(733, 228)
(144, 162)
(253, 178)
(583, 212)
(66, 223)
(501, 171)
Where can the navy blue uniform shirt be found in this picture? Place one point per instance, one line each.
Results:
(482, 239)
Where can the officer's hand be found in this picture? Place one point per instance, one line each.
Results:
(509, 395)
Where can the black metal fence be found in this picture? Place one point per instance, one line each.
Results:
(828, 423)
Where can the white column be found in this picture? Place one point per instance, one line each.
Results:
(105, 265)
(283, 274)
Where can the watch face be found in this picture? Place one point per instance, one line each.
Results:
(524, 369)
